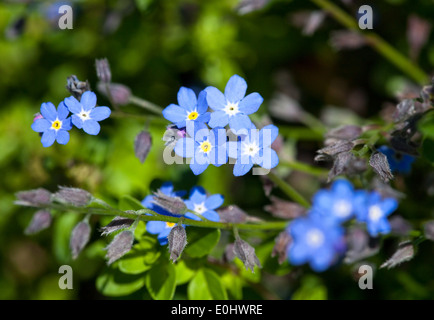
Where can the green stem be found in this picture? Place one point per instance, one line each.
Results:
(289, 190)
(375, 42)
(146, 105)
(302, 167)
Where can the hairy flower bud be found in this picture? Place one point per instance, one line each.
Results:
(232, 214)
(379, 163)
(74, 196)
(142, 145)
(404, 253)
(79, 238)
(349, 132)
(77, 87)
(103, 71)
(280, 249)
(284, 209)
(120, 245)
(429, 230)
(174, 205)
(34, 197)
(246, 253)
(118, 223)
(41, 220)
(177, 242)
(119, 93)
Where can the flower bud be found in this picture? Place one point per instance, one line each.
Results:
(103, 71)
(177, 242)
(404, 253)
(116, 224)
(119, 93)
(74, 196)
(79, 238)
(429, 230)
(41, 220)
(280, 249)
(232, 214)
(174, 205)
(246, 253)
(284, 209)
(77, 87)
(142, 145)
(379, 163)
(120, 245)
(34, 197)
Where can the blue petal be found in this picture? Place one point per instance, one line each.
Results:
(67, 124)
(41, 125)
(62, 137)
(218, 119)
(214, 201)
(211, 215)
(100, 113)
(187, 99)
(202, 104)
(91, 127)
(251, 103)
(218, 156)
(189, 204)
(235, 89)
(233, 148)
(72, 104)
(297, 254)
(48, 111)
(155, 227)
(192, 216)
(388, 205)
(268, 159)
(322, 201)
(167, 188)
(197, 195)
(163, 240)
(76, 121)
(48, 137)
(185, 147)
(62, 111)
(322, 259)
(267, 135)
(204, 117)
(196, 129)
(88, 100)
(242, 169)
(174, 113)
(198, 168)
(240, 122)
(215, 98)
(148, 202)
(343, 188)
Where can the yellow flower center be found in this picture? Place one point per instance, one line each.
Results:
(170, 224)
(193, 115)
(56, 125)
(206, 146)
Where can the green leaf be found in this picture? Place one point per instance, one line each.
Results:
(311, 289)
(206, 285)
(254, 277)
(63, 225)
(161, 280)
(142, 5)
(234, 285)
(140, 231)
(201, 241)
(426, 125)
(129, 203)
(183, 273)
(141, 257)
(114, 283)
(428, 149)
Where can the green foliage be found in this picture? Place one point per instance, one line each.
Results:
(201, 241)
(206, 285)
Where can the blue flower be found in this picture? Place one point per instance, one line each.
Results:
(337, 204)
(190, 108)
(203, 205)
(204, 146)
(167, 189)
(315, 242)
(254, 148)
(397, 162)
(232, 107)
(85, 114)
(160, 228)
(54, 125)
(372, 209)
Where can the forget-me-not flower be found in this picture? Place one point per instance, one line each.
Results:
(314, 242)
(254, 148)
(54, 124)
(232, 107)
(397, 162)
(372, 209)
(85, 113)
(203, 205)
(190, 108)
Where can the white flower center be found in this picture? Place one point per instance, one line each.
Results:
(375, 213)
(231, 109)
(199, 208)
(315, 238)
(342, 208)
(250, 149)
(84, 115)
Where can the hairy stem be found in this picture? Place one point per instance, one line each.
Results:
(145, 104)
(289, 190)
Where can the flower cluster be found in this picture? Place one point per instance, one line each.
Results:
(199, 203)
(318, 238)
(207, 140)
(54, 124)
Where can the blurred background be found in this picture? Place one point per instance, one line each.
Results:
(290, 52)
